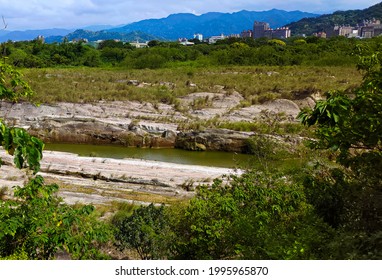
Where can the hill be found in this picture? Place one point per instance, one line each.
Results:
(103, 35)
(185, 25)
(28, 35)
(309, 26)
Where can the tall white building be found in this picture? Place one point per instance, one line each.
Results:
(198, 36)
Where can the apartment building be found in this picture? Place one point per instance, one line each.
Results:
(246, 34)
(259, 29)
(366, 29)
(262, 29)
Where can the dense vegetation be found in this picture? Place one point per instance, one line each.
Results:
(326, 210)
(322, 211)
(309, 51)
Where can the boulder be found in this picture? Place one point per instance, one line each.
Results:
(213, 140)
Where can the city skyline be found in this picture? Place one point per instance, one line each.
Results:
(43, 14)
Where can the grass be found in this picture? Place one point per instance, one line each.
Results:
(264, 128)
(255, 84)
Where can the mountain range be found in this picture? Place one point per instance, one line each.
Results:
(132, 36)
(174, 26)
(27, 35)
(185, 25)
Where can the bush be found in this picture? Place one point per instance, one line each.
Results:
(38, 224)
(145, 231)
(260, 146)
(254, 216)
(151, 61)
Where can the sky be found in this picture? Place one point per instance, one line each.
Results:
(70, 14)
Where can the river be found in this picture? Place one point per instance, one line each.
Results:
(208, 158)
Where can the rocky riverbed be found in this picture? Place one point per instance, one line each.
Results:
(102, 180)
(145, 125)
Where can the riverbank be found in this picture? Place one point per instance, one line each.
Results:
(137, 124)
(103, 180)
(141, 124)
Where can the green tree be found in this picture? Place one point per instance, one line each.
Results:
(91, 58)
(145, 231)
(351, 125)
(153, 43)
(36, 223)
(346, 123)
(25, 148)
(253, 216)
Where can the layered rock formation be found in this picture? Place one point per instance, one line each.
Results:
(143, 125)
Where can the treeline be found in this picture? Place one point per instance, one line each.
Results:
(338, 51)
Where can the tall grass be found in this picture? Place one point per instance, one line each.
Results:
(255, 84)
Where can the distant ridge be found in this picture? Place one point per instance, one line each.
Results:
(183, 25)
(309, 26)
(186, 25)
(104, 35)
(28, 35)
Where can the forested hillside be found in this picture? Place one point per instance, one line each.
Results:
(309, 26)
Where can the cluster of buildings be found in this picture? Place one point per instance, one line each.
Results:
(260, 30)
(210, 40)
(367, 29)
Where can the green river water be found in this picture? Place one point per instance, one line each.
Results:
(218, 159)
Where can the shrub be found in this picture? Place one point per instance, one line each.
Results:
(144, 231)
(253, 216)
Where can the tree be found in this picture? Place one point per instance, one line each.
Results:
(145, 231)
(253, 216)
(16, 141)
(153, 43)
(351, 124)
(110, 44)
(36, 223)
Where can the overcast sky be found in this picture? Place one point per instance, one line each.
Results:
(41, 14)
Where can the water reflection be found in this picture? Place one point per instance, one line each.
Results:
(218, 159)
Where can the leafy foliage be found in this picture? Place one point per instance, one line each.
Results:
(16, 141)
(36, 223)
(254, 216)
(25, 148)
(233, 51)
(143, 231)
(351, 125)
(40, 223)
(12, 86)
